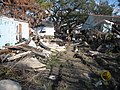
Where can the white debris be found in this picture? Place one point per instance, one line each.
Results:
(86, 44)
(86, 75)
(94, 52)
(54, 46)
(32, 43)
(46, 53)
(52, 77)
(99, 83)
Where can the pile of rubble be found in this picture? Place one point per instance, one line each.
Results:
(100, 51)
(98, 41)
(29, 60)
(29, 56)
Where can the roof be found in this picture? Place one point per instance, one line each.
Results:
(98, 18)
(94, 19)
(105, 16)
(103, 21)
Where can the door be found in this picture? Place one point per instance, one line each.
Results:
(20, 31)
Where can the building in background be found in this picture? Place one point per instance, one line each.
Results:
(46, 28)
(103, 23)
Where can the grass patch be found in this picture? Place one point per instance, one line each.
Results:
(54, 61)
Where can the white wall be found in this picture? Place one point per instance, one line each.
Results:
(48, 31)
(9, 31)
(25, 30)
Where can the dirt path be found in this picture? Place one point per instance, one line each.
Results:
(74, 74)
(78, 73)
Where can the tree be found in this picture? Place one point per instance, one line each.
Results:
(119, 2)
(104, 8)
(28, 10)
(67, 14)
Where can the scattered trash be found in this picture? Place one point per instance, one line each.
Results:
(52, 77)
(106, 75)
(94, 52)
(88, 51)
(32, 43)
(99, 83)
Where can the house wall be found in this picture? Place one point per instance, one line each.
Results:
(9, 31)
(47, 31)
(25, 30)
(93, 20)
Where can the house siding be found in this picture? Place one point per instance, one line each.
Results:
(48, 31)
(9, 31)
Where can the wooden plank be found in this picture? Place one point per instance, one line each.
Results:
(18, 56)
(4, 51)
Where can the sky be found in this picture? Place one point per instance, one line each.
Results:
(109, 1)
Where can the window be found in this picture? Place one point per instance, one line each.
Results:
(42, 31)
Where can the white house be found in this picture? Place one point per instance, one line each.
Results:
(12, 30)
(104, 25)
(102, 22)
(46, 28)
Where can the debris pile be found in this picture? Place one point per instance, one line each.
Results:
(99, 51)
(45, 62)
(28, 58)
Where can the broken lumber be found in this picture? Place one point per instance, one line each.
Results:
(26, 48)
(3, 57)
(43, 46)
(38, 53)
(18, 56)
(5, 51)
(34, 50)
(94, 53)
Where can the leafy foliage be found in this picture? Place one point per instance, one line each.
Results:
(104, 9)
(68, 14)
